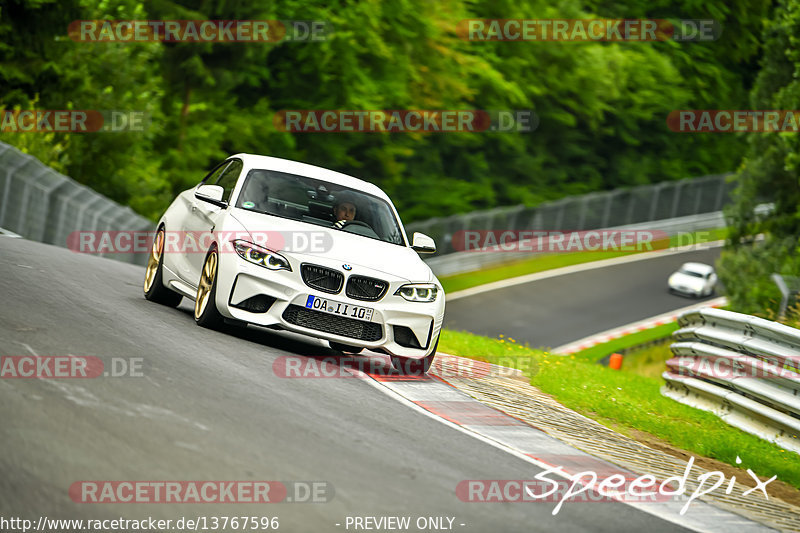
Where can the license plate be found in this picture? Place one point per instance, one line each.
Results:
(338, 308)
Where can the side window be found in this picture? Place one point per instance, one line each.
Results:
(213, 176)
(229, 177)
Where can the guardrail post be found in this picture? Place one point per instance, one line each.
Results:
(61, 225)
(7, 189)
(560, 217)
(720, 193)
(582, 216)
(631, 203)
(676, 200)
(607, 208)
(23, 212)
(697, 199)
(785, 293)
(514, 217)
(82, 211)
(43, 215)
(654, 201)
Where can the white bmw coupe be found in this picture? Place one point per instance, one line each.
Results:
(287, 245)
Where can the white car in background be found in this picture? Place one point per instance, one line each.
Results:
(257, 242)
(694, 279)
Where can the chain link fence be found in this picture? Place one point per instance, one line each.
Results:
(608, 209)
(42, 205)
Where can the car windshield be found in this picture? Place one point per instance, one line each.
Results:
(314, 201)
(692, 273)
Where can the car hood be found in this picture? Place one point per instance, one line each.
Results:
(310, 240)
(686, 281)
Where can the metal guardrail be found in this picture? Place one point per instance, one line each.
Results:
(744, 369)
(42, 205)
(602, 209)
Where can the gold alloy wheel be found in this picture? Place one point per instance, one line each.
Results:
(154, 260)
(206, 283)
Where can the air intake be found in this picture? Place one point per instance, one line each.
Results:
(364, 288)
(405, 337)
(338, 325)
(256, 304)
(322, 278)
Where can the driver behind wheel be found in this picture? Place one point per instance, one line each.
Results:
(344, 210)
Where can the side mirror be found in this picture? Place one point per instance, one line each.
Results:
(422, 243)
(211, 194)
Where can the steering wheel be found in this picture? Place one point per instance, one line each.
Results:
(367, 231)
(355, 223)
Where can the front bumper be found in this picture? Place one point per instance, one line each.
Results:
(684, 289)
(264, 297)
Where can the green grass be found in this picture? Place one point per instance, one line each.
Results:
(505, 351)
(626, 401)
(540, 263)
(595, 353)
(649, 362)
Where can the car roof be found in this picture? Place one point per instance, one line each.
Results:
(698, 267)
(309, 171)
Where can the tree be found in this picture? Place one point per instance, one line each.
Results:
(601, 107)
(769, 174)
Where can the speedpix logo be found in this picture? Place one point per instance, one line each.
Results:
(555, 484)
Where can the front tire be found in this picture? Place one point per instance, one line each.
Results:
(154, 289)
(415, 367)
(205, 306)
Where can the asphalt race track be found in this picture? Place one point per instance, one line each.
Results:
(558, 310)
(208, 406)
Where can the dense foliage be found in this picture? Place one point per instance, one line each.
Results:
(601, 106)
(769, 174)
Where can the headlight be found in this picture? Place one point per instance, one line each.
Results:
(261, 256)
(418, 292)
